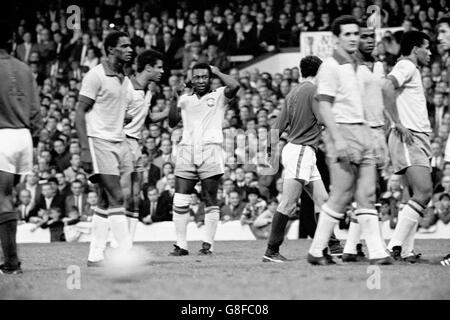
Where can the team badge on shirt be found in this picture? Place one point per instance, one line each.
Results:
(210, 102)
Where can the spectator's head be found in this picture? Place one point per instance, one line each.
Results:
(92, 198)
(249, 176)
(82, 177)
(117, 44)
(152, 194)
(47, 190)
(55, 213)
(285, 87)
(201, 74)
(150, 144)
(86, 39)
(61, 178)
(171, 180)
(272, 205)
(51, 123)
(438, 99)
(46, 155)
(283, 19)
(395, 182)
(417, 44)
(436, 149)
(195, 197)
(309, 66)
(25, 197)
(167, 169)
(444, 199)
(76, 187)
(445, 182)
(235, 199)
(444, 32)
(155, 131)
(228, 186)
(240, 174)
(32, 179)
(58, 146)
(252, 195)
(346, 29)
(150, 62)
(74, 148)
(166, 147)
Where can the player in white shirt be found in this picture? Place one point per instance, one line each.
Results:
(409, 142)
(149, 68)
(200, 151)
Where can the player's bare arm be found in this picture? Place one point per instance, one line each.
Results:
(232, 86)
(174, 113)
(389, 97)
(84, 105)
(159, 116)
(329, 122)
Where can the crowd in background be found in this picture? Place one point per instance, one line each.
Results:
(59, 194)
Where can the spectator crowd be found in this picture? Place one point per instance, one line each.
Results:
(58, 194)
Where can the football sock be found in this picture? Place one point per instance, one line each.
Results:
(133, 218)
(353, 236)
(181, 221)
(408, 245)
(8, 232)
(327, 221)
(212, 216)
(370, 227)
(277, 232)
(99, 235)
(407, 220)
(119, 228)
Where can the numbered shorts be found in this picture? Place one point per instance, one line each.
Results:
(403, 156)
(199, 162)
(380, 147)
(112, 158)
(299, 162)
(16, 151)
(359, 142)
(136, 154)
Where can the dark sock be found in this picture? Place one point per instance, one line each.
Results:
(8, 232)
(333, 240)
(277, 231)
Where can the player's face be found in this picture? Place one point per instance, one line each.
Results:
(367, 40)
(424, 53)
(156, 71)
(349, 37)
(123, 50)
(444, 36)
(200, 80)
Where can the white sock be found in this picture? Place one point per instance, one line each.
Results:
(383, 242)
(407, 219)
(119, 228)
(325, 226)
(99, 235)
(370, 227)
(408, 245)
(212, 216)
(181, 221)
(353, 237)
(133, 218)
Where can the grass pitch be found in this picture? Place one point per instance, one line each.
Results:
(235, 271)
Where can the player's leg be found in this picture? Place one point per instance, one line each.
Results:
(126, 182)
(419, 179)
(181, 201)
(210, 186)
(342, 179)
(136, 178)
(292, 190)
(367, 215)
(116, 210)
(8, 224)
(100, 229)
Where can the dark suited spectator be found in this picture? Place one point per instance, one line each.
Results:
(31, 184)
(151, 173)
(25, 205)
(204, 37)
(76, 198)
(166, 154)
(437, 162)
(38, 75)
(437, 110)
(84, 181)
(154, 209)
(168, 46)
(233, 211)
(74, 168)
(75, 71)
(264, 33)
(80, 49)
(283, 31)
(55, 224)
(49, 199)
(153, 36)
(24, 50)
(166, 197)
(218, 59)
(46, 47)
(241, 186)
(193, 56)
(220, 37)
(325, 22)
(239, 42)
(53, 132)
(63, 185)
(197, 209)
(62, 49)
(60, 156)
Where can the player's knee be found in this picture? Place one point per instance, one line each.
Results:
(423, 193)
(287, 206)
(181, 203)
(117, 198)
(365, 197)
(339, 200)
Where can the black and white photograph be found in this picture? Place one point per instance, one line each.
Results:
(220, 156)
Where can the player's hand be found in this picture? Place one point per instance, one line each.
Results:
(342, 151)
(403, 133)
(214, 69)
(178, 90)
(86, 160)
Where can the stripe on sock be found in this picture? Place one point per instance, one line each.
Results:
(181, 210)
(416, 206)
(101, 213)
(369, 212)
(132, 215)
(116, 211)
(211, 209)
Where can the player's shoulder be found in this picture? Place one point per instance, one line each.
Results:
(405, 64)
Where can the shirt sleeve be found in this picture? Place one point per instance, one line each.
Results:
(180, 103)
(221, 97)
(402, 72)
(327, 81)
(90, 86)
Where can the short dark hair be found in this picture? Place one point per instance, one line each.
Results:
(112, 39)
(148, 57)
(412, 39)
(309, 66)
(444, 19)
(340, 21)
(76, 181)
(202, 66)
